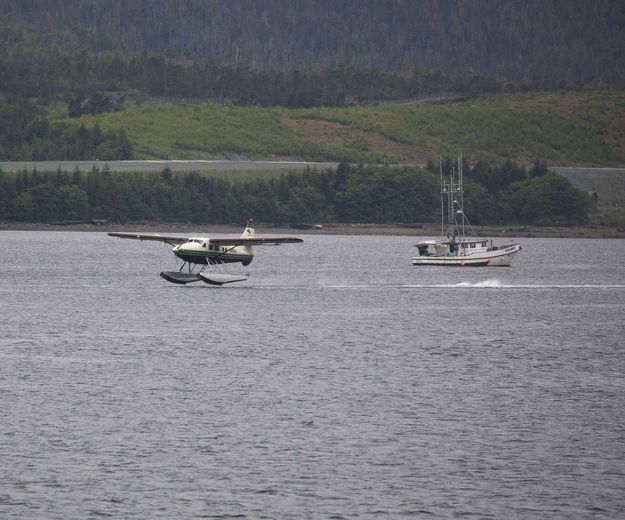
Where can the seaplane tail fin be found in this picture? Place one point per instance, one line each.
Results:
(249, 231)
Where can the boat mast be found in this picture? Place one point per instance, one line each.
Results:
(460, 188)
(453, 190)
(451, 218)
(440, 170)
(447, 191)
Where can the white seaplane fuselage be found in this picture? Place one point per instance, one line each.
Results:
(199, 250)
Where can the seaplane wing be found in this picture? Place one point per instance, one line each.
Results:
(206, 252)
(255, 241)
(170, 239)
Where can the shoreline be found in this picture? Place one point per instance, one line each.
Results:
(416, 230)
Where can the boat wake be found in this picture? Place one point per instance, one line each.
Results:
(489, 284)
(494, 283)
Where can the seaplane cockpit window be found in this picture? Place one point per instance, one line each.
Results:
(204, 245)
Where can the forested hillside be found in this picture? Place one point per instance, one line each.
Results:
(516, 80)
(78, 58)
(529, 40)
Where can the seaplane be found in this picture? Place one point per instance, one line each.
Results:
(199, 253)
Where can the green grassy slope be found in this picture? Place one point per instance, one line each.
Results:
(567, 128)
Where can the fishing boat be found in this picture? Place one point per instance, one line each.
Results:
(454, 248)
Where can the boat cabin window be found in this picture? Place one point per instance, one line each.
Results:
(473, 246)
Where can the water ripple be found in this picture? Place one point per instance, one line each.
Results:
(340, 387)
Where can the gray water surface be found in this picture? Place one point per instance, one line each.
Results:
(339, 381)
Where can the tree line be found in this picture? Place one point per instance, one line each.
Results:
(347, 194)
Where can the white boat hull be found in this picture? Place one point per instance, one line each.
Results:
(498, 258)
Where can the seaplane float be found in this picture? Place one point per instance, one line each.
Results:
(455, 248)
(200, 253)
